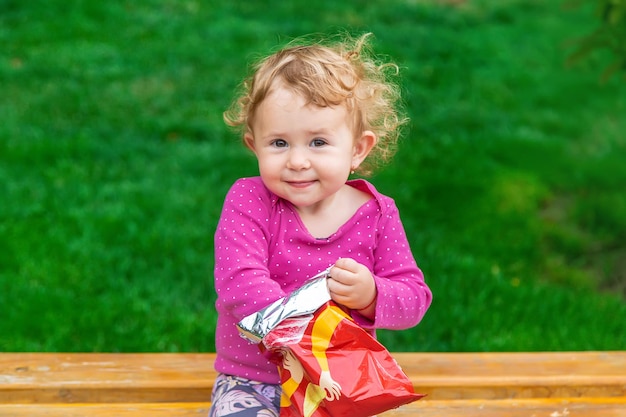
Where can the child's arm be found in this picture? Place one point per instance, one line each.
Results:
(242, 279)
(403, 295)
(394, 294)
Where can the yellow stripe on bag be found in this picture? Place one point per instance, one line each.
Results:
(322, 331)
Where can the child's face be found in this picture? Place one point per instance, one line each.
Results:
(305, 152)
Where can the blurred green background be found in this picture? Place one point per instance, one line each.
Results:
(114, 162)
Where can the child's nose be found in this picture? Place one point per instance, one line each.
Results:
(298, 159)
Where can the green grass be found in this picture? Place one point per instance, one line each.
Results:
(114, 162)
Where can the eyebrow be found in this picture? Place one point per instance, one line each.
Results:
(323, 131)
(279, 134)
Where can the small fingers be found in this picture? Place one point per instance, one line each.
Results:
(337, 287)
(347, 264)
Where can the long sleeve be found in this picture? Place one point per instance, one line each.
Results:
(242, 278)
(403, 296)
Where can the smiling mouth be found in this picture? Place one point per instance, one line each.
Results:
(300, 184)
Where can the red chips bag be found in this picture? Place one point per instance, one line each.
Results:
(331, 367)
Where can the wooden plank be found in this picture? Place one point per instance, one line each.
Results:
(554, 407)
(522, 375)
(534, 407)
(163, 377)
(189, 409)
(95, 377)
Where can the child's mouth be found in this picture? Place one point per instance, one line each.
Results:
(300, 184)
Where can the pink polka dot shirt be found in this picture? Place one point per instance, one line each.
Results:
(263, 252)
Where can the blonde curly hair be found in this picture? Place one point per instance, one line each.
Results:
(330, 72)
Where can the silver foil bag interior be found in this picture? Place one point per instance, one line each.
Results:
(304, 301)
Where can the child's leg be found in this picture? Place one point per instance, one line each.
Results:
(240, 397)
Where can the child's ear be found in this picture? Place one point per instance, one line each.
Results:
(248, 140)
(362, 147)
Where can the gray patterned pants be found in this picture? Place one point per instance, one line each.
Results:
(240, 397)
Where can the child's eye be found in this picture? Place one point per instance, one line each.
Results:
(317, 142)
(279, 143)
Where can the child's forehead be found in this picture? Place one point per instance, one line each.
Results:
(284, 95)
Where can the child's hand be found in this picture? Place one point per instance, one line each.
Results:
(351, 284)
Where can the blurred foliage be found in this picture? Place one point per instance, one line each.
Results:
(609, 36)
(114, 162)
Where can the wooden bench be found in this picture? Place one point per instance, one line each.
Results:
(563, 384)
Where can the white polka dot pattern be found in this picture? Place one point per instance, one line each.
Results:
(263, 251)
